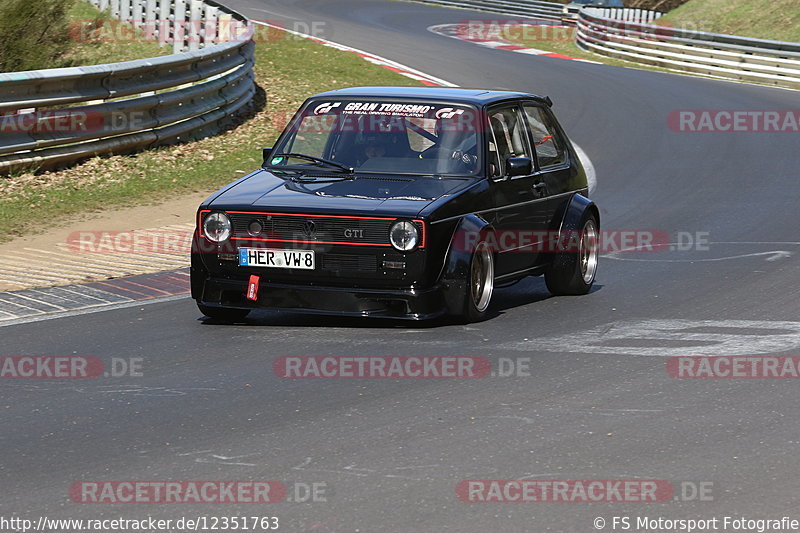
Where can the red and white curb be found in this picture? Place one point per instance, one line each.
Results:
(455, 31)
(394, 66)
(32, 305)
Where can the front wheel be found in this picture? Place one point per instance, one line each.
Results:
(224, 314)
(479, 284)
(573, 271)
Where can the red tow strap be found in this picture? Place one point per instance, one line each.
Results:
(252, 288)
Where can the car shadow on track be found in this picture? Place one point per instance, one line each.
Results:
(528, 291)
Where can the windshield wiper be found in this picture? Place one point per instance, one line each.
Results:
(343, 168)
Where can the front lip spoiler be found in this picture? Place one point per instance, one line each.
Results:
(404, 304)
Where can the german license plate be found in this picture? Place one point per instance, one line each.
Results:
(276, 258)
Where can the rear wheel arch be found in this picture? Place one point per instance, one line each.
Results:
(571, 271)
(573, 213)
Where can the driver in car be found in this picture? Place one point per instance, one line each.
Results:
(454, 143)
(374, 147)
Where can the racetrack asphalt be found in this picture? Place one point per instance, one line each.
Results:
(597, 402)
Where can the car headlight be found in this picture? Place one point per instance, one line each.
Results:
(404, 235)
(217, 227)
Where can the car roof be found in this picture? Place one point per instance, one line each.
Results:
(450, 94)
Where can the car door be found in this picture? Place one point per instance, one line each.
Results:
(518, 216)
(553, 169)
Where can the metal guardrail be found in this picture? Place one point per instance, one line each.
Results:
(122, 107)
(534, 9)
(626, 33)
(724, 56)
(627, 14)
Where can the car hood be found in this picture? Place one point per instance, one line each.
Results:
(370, 194)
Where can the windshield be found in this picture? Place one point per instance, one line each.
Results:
(383, 137)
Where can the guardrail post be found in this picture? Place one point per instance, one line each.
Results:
(116, 8)
(102, 5)
(224, 28)
(165, 25)
(195, 23)
(137, 14)
(125, 14)
(126, 11)
(211, 29)
(150, 24)
(179, 28)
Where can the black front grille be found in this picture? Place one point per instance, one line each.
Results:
(351, 263)
(312, 228)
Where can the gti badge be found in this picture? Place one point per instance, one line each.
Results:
(354, 233)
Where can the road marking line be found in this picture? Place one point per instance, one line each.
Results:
(85, 291)
(20, 295)
(674, 337)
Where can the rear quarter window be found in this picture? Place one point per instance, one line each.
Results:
(546, 141)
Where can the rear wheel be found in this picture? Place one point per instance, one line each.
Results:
(223, 314)
(480, 283)
(573, 271)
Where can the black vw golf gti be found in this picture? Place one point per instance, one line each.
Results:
(400, 202)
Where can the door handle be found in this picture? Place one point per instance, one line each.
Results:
(540, 187)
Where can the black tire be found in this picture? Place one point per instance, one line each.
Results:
(479, 284)
(572, 272)
(224, 314)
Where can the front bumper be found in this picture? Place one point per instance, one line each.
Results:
(409, 304)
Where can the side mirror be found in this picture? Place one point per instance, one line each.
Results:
(265, 153)
(519, 166)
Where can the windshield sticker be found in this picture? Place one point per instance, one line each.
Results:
(382, 108)
(448, 112)
(327, 107)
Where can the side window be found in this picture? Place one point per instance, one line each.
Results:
(507, 140)
(545, 139)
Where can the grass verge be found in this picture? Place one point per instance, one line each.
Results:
(762, 19)
(288, 68)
